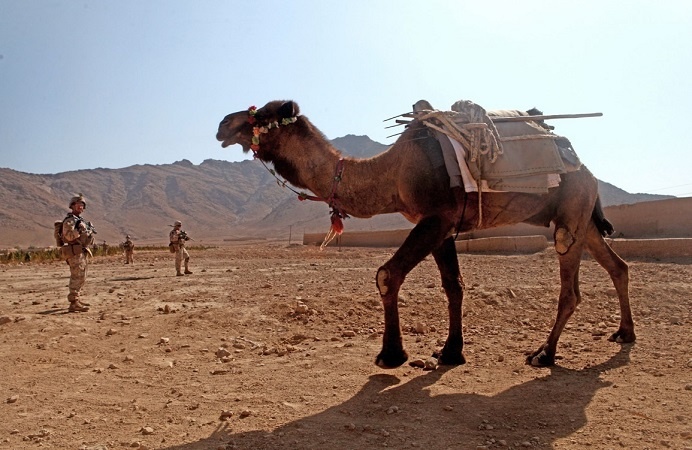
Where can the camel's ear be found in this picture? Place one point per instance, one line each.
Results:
(288, 109)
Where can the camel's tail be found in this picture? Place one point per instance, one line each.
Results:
(598, 217)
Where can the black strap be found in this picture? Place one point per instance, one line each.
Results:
(463, 212)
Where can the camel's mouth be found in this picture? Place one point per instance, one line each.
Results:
(231, 130)
(226, 139)
(228, 136)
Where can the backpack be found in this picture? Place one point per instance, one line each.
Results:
(57, 233)
(57, 230)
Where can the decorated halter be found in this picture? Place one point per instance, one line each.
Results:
(337, 214)
(257, 131)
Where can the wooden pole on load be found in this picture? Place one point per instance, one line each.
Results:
(514, 118)
(543, 117)
(527, 118)
(509, 119)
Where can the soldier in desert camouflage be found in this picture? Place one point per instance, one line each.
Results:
(78, 237)
(129, 248)
(178, 237)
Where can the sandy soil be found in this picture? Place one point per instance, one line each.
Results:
(229, 358)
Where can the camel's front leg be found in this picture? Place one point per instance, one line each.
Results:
(389, 281)
(446, 259)
(425, 236)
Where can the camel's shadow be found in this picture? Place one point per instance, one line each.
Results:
(387, 413)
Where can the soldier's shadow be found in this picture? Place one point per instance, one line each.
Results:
(387, 413)
(53, 311)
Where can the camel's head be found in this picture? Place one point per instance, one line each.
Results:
(240, 127)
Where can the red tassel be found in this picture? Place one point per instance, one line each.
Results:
(337, 224)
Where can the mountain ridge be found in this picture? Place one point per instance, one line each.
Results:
(215, 200)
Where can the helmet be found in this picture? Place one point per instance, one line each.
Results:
(127, 237)
(76, 199)
(177, 223)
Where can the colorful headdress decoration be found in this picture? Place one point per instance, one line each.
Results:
(259, 130)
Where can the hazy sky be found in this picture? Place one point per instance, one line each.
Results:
(87, 84)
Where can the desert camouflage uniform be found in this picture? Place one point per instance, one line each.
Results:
(129, 247)
(74, 231)
(181, 254)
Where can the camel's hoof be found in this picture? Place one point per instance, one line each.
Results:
(449, 358)
(622, 337)
(540, 359)
(390, 361)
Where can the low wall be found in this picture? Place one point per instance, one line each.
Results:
(652, 248)
(670, 218)
(388, 238)
(626, 248)
(656, 229)
(394, 238)
(505, 244)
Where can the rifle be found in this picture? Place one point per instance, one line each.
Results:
(90, 227)
(91, 231)
(184, 236)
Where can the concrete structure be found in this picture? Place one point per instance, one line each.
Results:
(654, 229)
(388, 238)
(652, 248)
(503, 244)
(670, 218)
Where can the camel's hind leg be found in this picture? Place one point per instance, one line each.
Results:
(448, 263)
(427, 235)
(619, 273)
(570, 260)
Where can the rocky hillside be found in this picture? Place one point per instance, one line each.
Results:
(613, 195)
(216, 200)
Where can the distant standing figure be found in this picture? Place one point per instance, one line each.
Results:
(129, 247)
(178, 237)
(78, 236)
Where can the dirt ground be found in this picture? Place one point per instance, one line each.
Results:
(271, 346)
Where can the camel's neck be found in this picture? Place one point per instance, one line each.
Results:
(311, 162)
(365, 190)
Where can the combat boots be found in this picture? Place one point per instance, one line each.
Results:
(76, 306)
(179, 274)
(187, 271)
(74, 298)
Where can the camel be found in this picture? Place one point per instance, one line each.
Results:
(403, 180)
